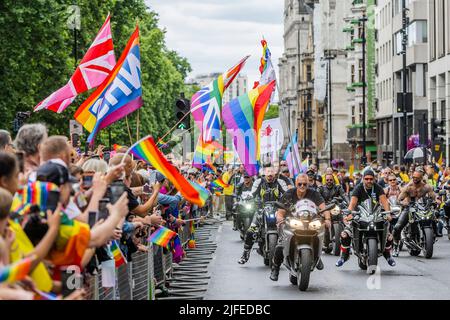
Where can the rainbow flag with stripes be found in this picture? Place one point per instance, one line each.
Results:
(16, 271)
(207, 103)
(145, 149)
(119, 258)
(243, 118)
(33, 193)
(177, 249)
(162, 236)
(119, 95)
(220, 183)
(204, 151)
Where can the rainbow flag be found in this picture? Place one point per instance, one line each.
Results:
(207, 103)
(203, 193)
(33, 193)
(266, 68)
(145, 149)
(204, 151)
(243, 118)
(16, 271)
(162, 236)
(119, 258)
(119, 95)
(220, 183)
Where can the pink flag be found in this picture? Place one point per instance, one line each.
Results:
(96, 65)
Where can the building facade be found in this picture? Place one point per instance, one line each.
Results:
(439, 70)
(389, 74)
(297, 19)
(312, 31)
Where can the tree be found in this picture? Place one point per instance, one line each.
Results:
(40, 60)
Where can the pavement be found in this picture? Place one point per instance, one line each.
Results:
(412, 278)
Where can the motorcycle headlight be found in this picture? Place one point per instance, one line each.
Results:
(248, 206)
(296, 224)
(315, 225)
(336, 210)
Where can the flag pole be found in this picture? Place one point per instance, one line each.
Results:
(129, 131)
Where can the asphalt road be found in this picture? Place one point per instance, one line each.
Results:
(412, 278)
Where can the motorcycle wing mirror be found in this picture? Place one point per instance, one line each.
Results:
(442, 193)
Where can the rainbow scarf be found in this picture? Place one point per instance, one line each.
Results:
(243, 117)
(33, 193)
(119, 258)
(145, 149)
(162, 236)
(206, 103)
(16, 271)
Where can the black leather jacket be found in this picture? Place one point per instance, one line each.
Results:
(329, 193)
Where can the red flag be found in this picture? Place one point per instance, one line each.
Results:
(93, 69)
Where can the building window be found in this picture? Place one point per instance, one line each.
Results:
(417, 32)
(441, 27)
(443, 117)
(308, 73)
(432, 15)
(433, 110)
(352, 73)
(353, 115)
(309, 133)
(361, 70)
(293, 79)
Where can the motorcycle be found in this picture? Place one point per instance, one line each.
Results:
(419, 233)
(268, 237)
(245, 209)
(332, 238)
(303, 234)
(370, 231)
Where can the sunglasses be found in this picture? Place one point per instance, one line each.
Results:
(368, 179)
(302, 185)
(329, 180)
(392, 180)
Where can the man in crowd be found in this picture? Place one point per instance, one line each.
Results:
(6, 144)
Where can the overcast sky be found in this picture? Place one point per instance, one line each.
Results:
(215, 34)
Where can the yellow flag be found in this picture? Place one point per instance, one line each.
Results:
(351, 170)
(441, 159)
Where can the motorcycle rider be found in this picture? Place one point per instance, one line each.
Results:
(290, 198)
(416, 189)
(393, 189)
(267, 188)
(244, 186)
(330, 189)
(313, 180)
(363, 191)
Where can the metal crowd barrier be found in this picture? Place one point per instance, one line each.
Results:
(138, 279)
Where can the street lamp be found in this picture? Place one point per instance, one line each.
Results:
(363, 20)
(329, 56)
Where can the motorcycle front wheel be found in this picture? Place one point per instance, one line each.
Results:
(304, 269)
(428, 242)
(272, 243)
(337, 239)
(372, 251)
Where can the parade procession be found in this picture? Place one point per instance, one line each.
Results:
(182, 150)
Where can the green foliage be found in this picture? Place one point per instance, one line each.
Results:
(273, 112)
(36, 50)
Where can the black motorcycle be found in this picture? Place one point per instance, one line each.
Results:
(332, 238)
(370, 231)
(245, 209)
(419, 233)
(268, 237)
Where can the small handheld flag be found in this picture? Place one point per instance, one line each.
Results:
(119, 258)
(162, 236)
